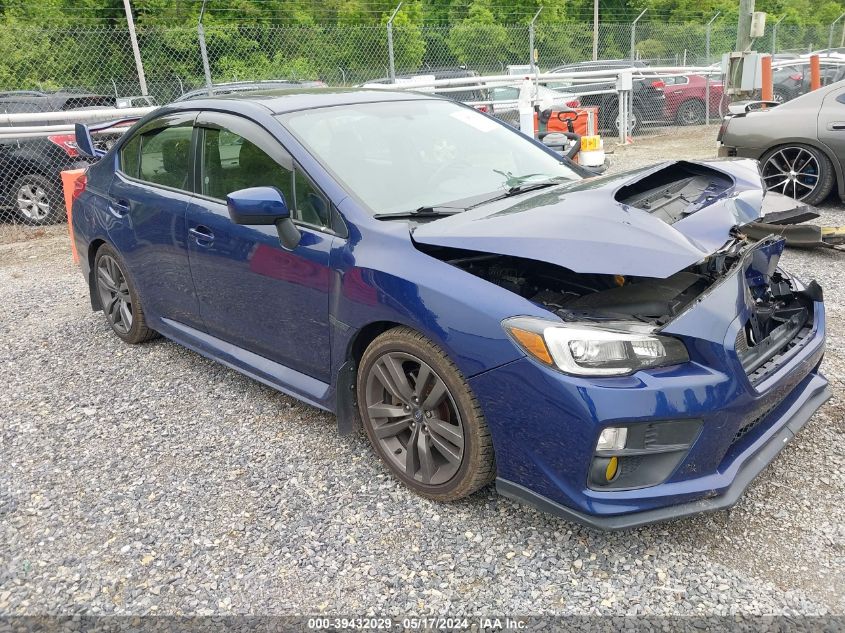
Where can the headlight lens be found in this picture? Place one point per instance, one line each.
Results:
(612, 349)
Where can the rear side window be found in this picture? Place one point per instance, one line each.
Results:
(130, 159)
(165, 156)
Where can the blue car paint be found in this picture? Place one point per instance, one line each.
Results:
(544, 423)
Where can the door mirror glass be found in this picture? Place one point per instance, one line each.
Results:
(257, 205)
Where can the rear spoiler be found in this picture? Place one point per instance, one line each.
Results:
(741, 108)
(84, 140)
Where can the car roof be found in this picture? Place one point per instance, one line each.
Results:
(290, 100)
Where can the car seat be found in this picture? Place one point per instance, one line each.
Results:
(174, 161)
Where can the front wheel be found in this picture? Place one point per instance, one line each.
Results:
(421, 417)
(37, 200)
(691, 113)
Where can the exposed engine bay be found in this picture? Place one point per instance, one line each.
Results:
(593, 297)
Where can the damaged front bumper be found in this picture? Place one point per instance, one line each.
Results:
(704, 429)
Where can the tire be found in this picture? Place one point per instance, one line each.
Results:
(800, 171)
(446, 418)
(691, 112)
(635, 119)
(119, 298)
(780, 96)
(37, 200)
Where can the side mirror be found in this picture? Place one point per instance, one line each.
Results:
(264, 206)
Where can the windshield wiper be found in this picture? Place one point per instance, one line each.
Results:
(420, 212)
(522, 188)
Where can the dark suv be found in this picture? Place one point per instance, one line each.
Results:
(30, 181)
(647, 95)
(236, 87)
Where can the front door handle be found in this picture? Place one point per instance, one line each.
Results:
(202, 234)
(838, 126)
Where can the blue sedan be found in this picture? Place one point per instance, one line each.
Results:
(611, 349)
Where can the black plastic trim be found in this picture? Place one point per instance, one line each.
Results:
(732, 494)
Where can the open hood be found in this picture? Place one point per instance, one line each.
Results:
(650, 222)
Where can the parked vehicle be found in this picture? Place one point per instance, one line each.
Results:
(30, 184)
(686, 96)
(610, 349)
(237, 87)
(800, 144)
(469, 95)
(789, 82)
(505, 99)
(648, 98)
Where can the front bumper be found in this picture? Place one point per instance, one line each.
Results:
(815, 394)
(545, 425)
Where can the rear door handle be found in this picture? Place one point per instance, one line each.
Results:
(838, 126)
(119, 208)
(202, 234)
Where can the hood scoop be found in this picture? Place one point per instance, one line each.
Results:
(675, 190)
(595, 226)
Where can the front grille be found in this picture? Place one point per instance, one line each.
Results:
(769, 367)
(760, 359)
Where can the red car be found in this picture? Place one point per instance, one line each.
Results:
(685, 98)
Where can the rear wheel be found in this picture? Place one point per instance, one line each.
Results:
(118, 297)
(799, 171)
(422, 418)
(37, 200)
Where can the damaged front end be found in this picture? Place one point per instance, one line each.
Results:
(779, 310)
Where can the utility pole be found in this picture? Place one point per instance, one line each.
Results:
(743, 31)
(390, 60)
(595, 30)
(133, 38)
(206, 68)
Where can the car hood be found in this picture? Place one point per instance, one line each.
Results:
(592, 225)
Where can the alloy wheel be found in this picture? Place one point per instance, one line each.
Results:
(792, 171)
(114, 294)
(33, 202)
(414, 418)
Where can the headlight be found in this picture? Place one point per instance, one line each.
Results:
(612, 349)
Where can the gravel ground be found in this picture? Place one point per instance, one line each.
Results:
(146, 479)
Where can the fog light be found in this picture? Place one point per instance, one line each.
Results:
(612, 439)
(612, 468)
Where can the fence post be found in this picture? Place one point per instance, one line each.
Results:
(203, 50)
(531, 62)
(390, 60)
(775, 35)
(136, 52)
(707, 62)
(634, 34)
(830, 34)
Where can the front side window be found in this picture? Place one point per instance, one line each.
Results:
(398, 156)
(166, 155)
(230, 162)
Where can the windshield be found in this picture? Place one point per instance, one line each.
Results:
(404, 155)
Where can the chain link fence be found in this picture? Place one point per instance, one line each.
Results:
(44, 70)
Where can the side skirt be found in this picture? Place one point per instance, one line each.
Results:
(275, 375)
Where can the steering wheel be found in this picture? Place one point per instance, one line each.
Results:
(456, 163)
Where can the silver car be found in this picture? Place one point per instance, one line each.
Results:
(800, 144)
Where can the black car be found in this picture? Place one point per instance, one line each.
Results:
(789, 82)
(647, 94)
(30, 181)
(235, 87)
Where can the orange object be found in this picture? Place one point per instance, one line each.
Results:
(815, 73)
(768, 86)
(557, 122)
(69, 178)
